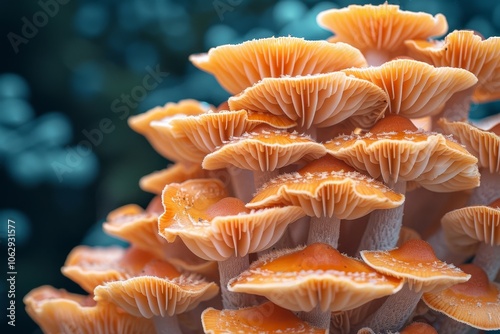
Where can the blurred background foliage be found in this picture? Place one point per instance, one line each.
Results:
(71, 71)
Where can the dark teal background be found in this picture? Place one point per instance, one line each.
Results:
(66, 78)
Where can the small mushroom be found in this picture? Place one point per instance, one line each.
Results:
(475, 229)
(415, 263)
(475, 303)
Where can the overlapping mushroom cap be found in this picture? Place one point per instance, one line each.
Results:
(265, 318)
(318, 275)
(264, 149)
(395, 149)
(416, 263)
(327, 187)
(382, 28)
(319, 100)
(475, 302)
(216, 227)
(90, 267)
(239, 66)
(467, 50)
(140, 228)
(159, 290)
(162, 141)
(483, 144)
(57, 311)
(467, 227)
(414, 88)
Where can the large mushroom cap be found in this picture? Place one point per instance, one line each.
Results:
(395, 149)
(318, 100)
(265, 318)
(161, 290)
(224, 228)
(264, 150)
(57, 311)
(237, 67)
(327, 187)
(414, 88)
(318, 275)
(382, 28)
(475, 302)
(465, 49)
(483, 144)
(416, 263)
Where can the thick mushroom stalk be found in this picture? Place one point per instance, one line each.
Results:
(234, 265)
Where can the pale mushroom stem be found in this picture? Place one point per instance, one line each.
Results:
(487, 258)
(167, 325)
(242, 182)
(382, 231)
(395, 311)
(261, 177)
(457, 107)
(228, 269)
(325, 230)
(487, 192)
(317, 318)
(438, 244)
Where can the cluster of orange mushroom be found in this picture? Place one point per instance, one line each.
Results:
(302, 203)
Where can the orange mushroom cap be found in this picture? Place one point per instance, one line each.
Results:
(327, 187)
(319, 100)
(140, 228)
(317, 275)
(417, 264)
(264, 150)
(465, 49)
(382, 28)
(395, 149)
(215, 227)
(414, 88)
(483, 144)
(267, 317)
(237, 67)
(163, 142)
(57, 311)
(176, 173)
(475, 302)
(466, 228)
(159, 290)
